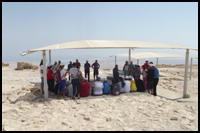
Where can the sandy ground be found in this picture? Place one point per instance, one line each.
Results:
(23, 108)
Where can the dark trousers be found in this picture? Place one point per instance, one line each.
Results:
(69, 77)
(56, 88)
(87, 74)
(50, 85)
(154, 86)
(76, 84)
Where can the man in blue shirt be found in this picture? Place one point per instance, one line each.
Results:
(156, 79)
(106, 87)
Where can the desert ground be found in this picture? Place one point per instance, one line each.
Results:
(24, 108)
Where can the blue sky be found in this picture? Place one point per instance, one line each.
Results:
(30, 25)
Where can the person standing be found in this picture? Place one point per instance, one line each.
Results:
(131, 68)
(137, 72)
(116, 73)
(75, 82)
(58, 65)
(156, 79)
(96, 67)
(54, 66)
(144, 77)
(146, 64)
(50, 80)
(61, 84)
(87, 70)
(125, 69)
(69, 67)
(150, 79)
(78, 65)
(42, 77)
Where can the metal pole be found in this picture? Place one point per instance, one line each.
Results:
(49, 56)
(157, 61)
(45, 76)
(129, 55)
(137, 61)
(186, 73)
(115, 59)
(191, 68)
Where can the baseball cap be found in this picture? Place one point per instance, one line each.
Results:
(61, 64)
(146, 60)
(130, 77)
(105, 79)
(150, 65)
(98, 78)
(49, 65)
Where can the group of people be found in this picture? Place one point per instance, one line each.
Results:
(75, 76)
(80, 86)
(149, 73)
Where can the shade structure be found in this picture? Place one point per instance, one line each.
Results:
(140, 55)
(108, 44)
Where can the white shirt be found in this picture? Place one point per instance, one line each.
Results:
(62, 73)
(41, 68)
(74, 73)
(143, 74)
(98, 85)
(70, 90)
(127, 86)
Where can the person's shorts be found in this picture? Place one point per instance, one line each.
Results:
(42, 81)
(96, 72)
(149, 85)
(61, 85)
(125, 71)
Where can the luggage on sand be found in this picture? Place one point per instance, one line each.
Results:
(140, 85)
(133, 85)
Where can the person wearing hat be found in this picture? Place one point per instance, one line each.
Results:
(146, 64)
(106, 87)
(131, 69)
(137, 72)
(84, 88)
(50, 79)
(97, 88)
(150, 78)
(61, 84)
(127, 85)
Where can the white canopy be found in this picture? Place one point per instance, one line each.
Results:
(140, 55)
(107, 44)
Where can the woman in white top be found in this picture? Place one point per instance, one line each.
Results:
(42, 77)
(75, 82)
(61, 84)
(97, 88)
(127, 85)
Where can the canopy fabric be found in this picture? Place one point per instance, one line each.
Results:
(140, 55)
(107, 44)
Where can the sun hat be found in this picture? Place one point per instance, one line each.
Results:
(150, 65)
(130, 77)
(126, 77)
(146, 60)
(105, 79)
(98, 78)
(61, 64)
(49, 64)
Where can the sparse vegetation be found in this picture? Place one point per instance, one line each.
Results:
(4, 64)
(25, 65)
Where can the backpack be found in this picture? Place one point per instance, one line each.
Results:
(115, 90)
(57, 76)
